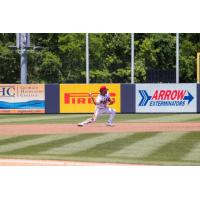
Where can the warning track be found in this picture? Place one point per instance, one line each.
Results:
(30, 129)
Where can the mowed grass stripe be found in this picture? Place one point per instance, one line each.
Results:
(30, 141)
(15, 139)
(193, 154)
(170, 118)
(37, 118)
(85, 144)
(75, 118)
(5, 137)
(69, 118)
(177, 149)
(36, 148)
(107, 148)
(147, 146)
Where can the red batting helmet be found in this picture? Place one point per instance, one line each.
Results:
(102, 88)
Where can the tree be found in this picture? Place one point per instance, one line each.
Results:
(9, 60)
(98, 71)
(158, 51)
(72, 55)
(117, 56)
(50, 69)
(188, 50)
(63, 58)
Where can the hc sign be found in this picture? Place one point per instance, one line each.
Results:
(7, 91)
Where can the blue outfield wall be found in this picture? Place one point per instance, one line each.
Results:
(134, 98)
(52, 98)
(127, 98)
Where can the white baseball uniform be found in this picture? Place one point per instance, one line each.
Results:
(102, 108)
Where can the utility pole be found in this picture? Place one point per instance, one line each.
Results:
(25, 37)
(23, 43)
(22, 47)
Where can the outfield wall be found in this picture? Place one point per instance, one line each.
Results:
(73, 98)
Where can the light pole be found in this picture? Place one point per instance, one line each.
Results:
(132, 57)
(87, 59)
(177, 57)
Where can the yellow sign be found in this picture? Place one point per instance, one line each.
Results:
(74, 98)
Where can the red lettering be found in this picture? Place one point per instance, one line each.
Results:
(181, 94)
(67, 98)
(89, 100)
(81, 100)
(155, 96)
(167, 95)
(160, 97)
(73, 100)
(174, 95)
(112, 94)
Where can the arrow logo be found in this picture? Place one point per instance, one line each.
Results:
(145, 98)
(189, 98)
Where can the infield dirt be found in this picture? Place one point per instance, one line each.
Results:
(30, 129)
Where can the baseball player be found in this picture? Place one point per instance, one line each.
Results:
(101, 107)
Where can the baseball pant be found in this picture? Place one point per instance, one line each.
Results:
(98, 112)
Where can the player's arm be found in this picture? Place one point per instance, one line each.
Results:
(93, 100)
(110, 101)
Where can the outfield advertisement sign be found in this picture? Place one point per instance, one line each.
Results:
(74, 98)
(162, 98)
(22, 98)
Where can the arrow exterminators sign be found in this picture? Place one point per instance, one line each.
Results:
(166, 98)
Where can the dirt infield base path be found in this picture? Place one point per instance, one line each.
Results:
(28, 129)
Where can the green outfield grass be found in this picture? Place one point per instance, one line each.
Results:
(156, 148)
(76, 118)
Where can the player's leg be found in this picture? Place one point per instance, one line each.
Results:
(97, 113)
(112, 113)
(87, 121)
(92, 119)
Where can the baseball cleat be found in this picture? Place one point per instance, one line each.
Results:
(109, 124)
(80, 124)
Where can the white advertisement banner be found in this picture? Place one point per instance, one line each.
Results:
(22, 98)
(162, 98)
